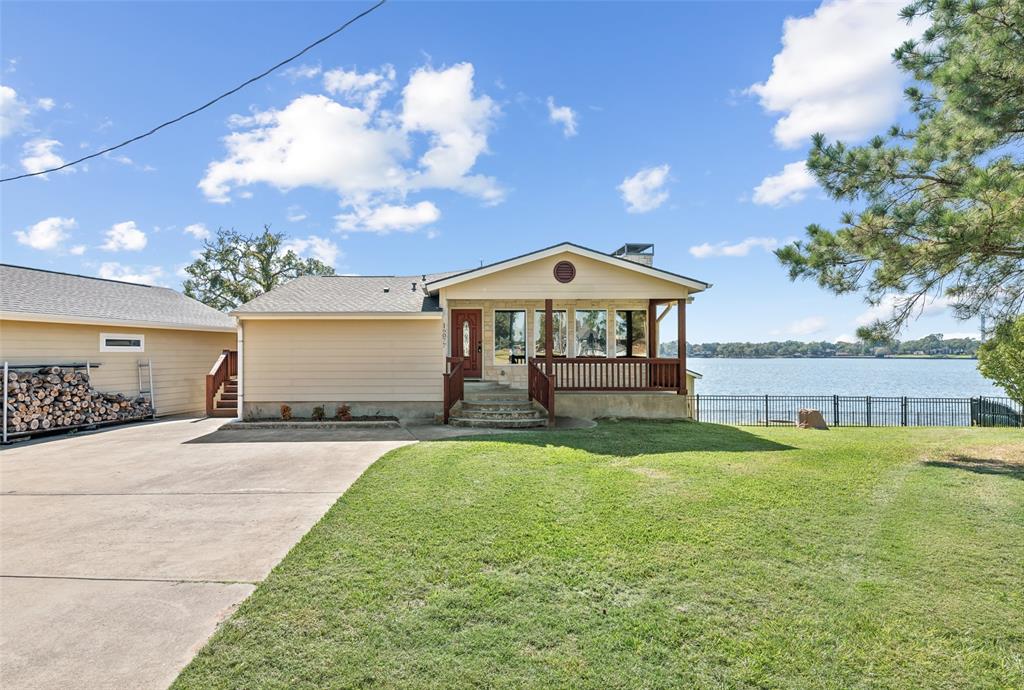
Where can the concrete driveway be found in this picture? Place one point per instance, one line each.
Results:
(121, 551)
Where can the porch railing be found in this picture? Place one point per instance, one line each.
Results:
(224, 368)
(616, 374)
(541, 387)
(454, 385)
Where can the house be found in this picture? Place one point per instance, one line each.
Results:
(565, 328)
(121, 331)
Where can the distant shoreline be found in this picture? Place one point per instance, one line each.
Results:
(838, 357)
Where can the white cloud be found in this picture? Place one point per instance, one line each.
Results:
(301, 72)
(846, 338)
(802, 328)
(788, 186)
(46, 104)
(197, 230)
(835, 73)
(314, 247)
(38, 155)
(296, 214)
(48, 234)
(365, 89)
(960, 334)
(363, 155)
(741, 248)
(77, 250)
(387, 218)
(890, 303)
(147, 275)
(14, 112)
(562, 115)
(124, 236)
(645, 191)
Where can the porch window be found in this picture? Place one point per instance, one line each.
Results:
(560, 333)
(631, 333)
(591, 333)
(509, 336)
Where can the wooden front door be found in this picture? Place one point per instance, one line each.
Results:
(467, 340)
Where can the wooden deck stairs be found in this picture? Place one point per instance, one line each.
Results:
(226, 403)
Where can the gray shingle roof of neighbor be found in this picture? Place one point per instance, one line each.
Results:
(66, 295)
(347, 294)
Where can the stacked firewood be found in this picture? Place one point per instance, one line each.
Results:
(56, 397)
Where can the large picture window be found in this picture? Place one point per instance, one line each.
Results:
(559, 333)
(509, 336)
(631, 333)
(591, 333)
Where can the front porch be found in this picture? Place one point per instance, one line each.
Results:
(602, 355)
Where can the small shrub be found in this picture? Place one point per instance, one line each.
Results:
(286, 412)
(344, 413)
(318, 413)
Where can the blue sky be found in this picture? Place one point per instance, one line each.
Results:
(434, 136)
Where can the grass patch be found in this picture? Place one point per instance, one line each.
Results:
(655, 555)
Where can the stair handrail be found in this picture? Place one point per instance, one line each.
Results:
(454, 385)
(541, 388)
(219, 373)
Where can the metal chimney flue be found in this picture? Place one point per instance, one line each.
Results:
(637, 252)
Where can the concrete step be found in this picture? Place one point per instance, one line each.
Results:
(510, 405)
(501, 415)
(470, 422)
(484, 386)
(513, 394)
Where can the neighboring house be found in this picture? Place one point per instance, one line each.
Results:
(48, 317)
(571, 329)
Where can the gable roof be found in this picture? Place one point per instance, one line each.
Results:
(370, 295)
(41, 295)
(693, 284)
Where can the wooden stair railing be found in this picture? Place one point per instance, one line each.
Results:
(224, 368)
(542, 388)
(454, 385)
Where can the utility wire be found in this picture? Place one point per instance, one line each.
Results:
(224, 95)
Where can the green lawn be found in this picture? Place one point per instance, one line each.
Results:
(654, 555)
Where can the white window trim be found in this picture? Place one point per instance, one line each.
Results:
(121, 348)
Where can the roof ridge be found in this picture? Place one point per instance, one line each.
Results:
(79, 275)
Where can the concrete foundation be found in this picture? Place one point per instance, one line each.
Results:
(641, 405)
(413, 410)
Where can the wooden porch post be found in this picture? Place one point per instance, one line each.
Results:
(549, 337)
(681, 319)
(652, 328)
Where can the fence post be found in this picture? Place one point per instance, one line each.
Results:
(835, 410)
(696, 407)
(868, 399)
(766, 410)
(903, 412)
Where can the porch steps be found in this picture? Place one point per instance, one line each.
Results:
(227, 401)
(493, 405)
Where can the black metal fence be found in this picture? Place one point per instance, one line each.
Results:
(846, 410)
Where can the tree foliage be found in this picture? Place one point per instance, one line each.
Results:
(933, 345)
(235, 268)
(943, 203)
(1001, 358)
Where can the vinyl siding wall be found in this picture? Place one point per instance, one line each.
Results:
(342, 360)
(595, 280)
(181, 359)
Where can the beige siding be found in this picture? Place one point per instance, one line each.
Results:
(594, 280)
(181, 359)
(342, 360)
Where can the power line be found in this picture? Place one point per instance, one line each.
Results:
(224, 95)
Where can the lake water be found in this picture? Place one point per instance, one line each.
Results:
(835, 376)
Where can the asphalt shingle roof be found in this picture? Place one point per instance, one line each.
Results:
(339, 294)
(36, 291)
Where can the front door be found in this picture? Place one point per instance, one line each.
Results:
(466, 340)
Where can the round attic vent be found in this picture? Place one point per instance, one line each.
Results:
(564, 272)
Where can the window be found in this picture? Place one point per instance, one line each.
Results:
(631, 333)
(591, 333)
(509, 337)
(560, 333)
(122, 342)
